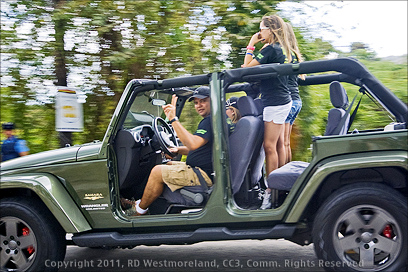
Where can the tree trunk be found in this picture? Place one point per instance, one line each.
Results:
(60, 67)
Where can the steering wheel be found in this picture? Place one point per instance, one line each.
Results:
(165, 135)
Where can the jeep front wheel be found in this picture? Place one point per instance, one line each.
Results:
(362, 227)
(29, 237)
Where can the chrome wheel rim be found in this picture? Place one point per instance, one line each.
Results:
(18, 244)
(367, 238)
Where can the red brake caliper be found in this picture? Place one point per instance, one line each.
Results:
(387, 232)
(26, 232)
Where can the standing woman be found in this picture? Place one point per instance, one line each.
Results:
(294, 93)
(274, 91)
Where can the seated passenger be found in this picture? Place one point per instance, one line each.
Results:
(197, 146)
(233, 113)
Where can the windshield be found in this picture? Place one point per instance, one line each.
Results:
(145, 107)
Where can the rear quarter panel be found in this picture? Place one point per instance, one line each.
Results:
(337, 153)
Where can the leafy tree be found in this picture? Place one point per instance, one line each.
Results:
(99, 52)
(98, 46)
(361, 51)
(22, 44)
(241, 20)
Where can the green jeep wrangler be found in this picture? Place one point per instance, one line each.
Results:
(350, 199)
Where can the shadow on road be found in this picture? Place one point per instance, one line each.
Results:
(245, 255)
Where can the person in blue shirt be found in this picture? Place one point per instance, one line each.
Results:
(12, 147)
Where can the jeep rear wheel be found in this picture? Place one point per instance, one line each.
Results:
(362, 227)
(29, 237)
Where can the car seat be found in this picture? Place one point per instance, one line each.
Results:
(245, 150)
(281, 180)
(188, 197)
(284, 177)
(132, 171)
(339, 99)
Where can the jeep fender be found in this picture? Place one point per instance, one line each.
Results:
(328, 166)
(54, 195)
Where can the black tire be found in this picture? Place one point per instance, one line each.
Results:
(362, 227)
(31, 238)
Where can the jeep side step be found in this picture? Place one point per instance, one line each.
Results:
(202, 234)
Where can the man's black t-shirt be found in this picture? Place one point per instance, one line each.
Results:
(274, 91)
(202, 157)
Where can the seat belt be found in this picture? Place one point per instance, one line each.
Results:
(198, 197)
(344, 118)
(353, 115)
(203, 183)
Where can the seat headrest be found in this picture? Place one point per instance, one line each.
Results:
(338, 95)
(246, 106)
(259, 105)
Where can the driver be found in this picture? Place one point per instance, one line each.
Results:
(197, 146)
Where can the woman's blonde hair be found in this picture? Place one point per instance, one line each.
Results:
(279, 32)
(293, 42)
(237, 115)
(294, 47)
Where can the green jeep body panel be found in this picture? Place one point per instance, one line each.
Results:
(352, 151)
(54, 196)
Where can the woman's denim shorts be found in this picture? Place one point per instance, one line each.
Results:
(294, 111)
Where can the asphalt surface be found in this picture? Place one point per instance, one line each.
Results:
(244, 255)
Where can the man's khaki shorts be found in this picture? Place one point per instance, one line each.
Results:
(178, 175)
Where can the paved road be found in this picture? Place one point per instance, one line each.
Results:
(245, 255)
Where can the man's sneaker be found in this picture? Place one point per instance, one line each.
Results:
(135, 210)
(266, 202)
(126, 203)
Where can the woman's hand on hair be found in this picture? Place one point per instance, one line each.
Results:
(254, 39)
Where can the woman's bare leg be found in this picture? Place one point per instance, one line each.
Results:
(271, 136)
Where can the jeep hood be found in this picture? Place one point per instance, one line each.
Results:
(58, 156)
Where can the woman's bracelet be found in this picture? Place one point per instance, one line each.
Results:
(248, 53)
(250, 48)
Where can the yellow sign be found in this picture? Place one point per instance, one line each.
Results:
(69, 116)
